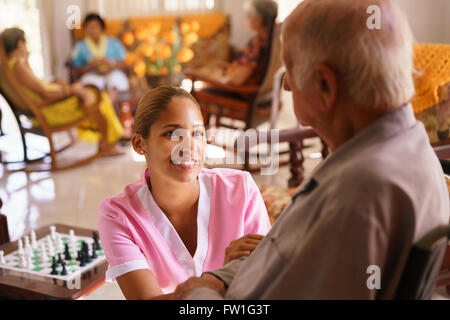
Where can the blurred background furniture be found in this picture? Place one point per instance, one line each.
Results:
(31, 120)
(4, 231)
(422, 268)
(242, 102)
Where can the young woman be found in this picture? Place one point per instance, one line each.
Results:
(61, 101)
(180, 219)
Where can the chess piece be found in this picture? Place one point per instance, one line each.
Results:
(43, 253)
(72, 236)
(33, 240)
(67, 255)
(2, 258)
(97, 243)
(54, 265)
(60, 260)
(78, 255)
(85, 249)
(53, 232)
(64, 270)
(22, 262)
(82, 259)
(51, 248)
(20, 249)
(94, 252)
(30, 263)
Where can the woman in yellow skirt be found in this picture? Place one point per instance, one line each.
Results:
(62, 101)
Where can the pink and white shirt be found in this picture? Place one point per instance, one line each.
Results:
(136, 234)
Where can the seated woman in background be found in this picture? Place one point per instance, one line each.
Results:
(100, 59)
(180, 219)
(261, 15)
(62, 101)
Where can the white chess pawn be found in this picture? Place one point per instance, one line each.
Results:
(2, 258)
(43, 254)
(33, 239)
(51, 249)
(22, 262)
(53, 232)
(27, 241)
(30, 263)
(29, 251)
(20, 249)
(72, 236)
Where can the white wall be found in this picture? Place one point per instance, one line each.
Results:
(428, 19)
(240, 29)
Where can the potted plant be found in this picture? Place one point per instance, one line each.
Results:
(159, 56)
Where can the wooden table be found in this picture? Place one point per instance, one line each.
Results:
(17, 287)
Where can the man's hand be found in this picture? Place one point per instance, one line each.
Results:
(205, 281)
(242, 246)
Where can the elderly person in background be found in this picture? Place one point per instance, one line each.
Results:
(261, 15)
(61, 103)
(100, 59)
(363, 206)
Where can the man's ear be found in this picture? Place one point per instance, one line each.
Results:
(327, 86)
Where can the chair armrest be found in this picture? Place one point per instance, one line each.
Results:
(291, 135)
(195, 76)
(96, 93)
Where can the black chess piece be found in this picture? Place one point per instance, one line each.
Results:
(54, 265)
(59, 258)
(82, 259)
(64, 270)
(78, 255)
(97, 243)
(94, 253)
(67, 255)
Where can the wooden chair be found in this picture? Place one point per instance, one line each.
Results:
(422, 268)
(239, 102)
(24, 107)
(4, 232)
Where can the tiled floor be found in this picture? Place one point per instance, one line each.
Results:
(72, 197)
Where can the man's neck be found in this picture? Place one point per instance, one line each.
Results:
(344, 127)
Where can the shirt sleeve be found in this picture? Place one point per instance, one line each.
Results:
(119, 51)
(121, 251)
(256, 216)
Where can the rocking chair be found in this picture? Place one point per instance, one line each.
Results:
(25, 108)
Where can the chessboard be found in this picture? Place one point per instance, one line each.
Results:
(56, 256)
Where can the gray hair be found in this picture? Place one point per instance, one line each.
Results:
(266, 9)
(374, 66)
(11, 37)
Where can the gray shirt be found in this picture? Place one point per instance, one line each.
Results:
(361, 209)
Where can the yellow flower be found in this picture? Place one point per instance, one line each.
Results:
(185, 55)
(154, 57)
(139, 68)
(185, 28)
(141, 33)
(154, 28)
(190, 39)
(148, 51)
(163, 71)
(177, 68)
(128, 38)
(195, 26)
(129, 59)
(170, 37)
(164, 51)
(151, 39)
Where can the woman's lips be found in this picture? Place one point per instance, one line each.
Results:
(186, 165)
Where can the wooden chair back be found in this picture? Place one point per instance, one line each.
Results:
(4, 232)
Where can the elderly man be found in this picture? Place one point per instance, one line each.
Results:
(382, 188)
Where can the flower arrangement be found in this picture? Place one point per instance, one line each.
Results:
(153, 53)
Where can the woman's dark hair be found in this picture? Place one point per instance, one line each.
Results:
(153, 103)
(11, 37)
(94, 17)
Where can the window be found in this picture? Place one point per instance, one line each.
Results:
(24, 14)
(122, 9)
(285, 7)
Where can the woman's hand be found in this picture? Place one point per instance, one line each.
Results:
(242, 247)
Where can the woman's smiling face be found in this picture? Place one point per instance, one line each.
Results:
(175, 148)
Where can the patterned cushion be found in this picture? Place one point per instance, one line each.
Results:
(276, 199)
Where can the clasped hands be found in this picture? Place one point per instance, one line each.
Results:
(237, 248)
